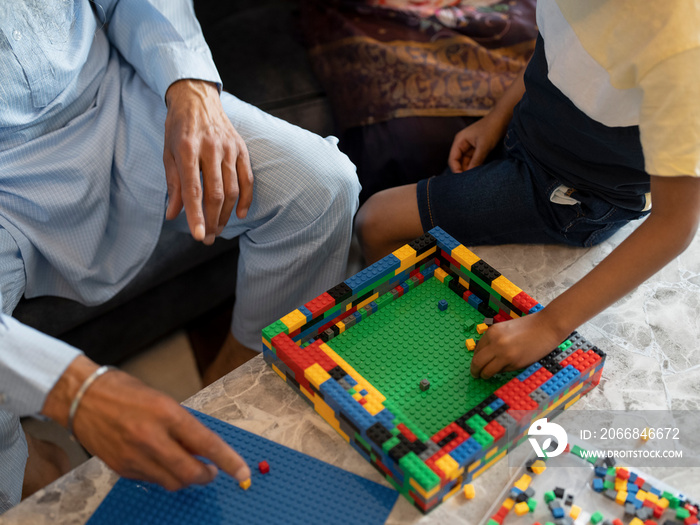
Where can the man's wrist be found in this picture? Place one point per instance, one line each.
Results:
(188, 87)
(59, 399)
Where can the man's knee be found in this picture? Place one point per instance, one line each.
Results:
(330, 185)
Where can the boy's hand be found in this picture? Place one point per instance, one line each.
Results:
(472, 145)
(514, 344)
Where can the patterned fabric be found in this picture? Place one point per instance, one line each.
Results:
(384, 59)
(82, 183)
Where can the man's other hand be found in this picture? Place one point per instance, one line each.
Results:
(199, 138)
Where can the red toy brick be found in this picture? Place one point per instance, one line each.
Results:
(319, 305)
(263, 467)
(495, 429)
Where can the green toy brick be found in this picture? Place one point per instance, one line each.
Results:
(596, 518)
(274, 329)
(390, 443)
(549, 496)
(532, 503)
(682, 513)
(414, 467)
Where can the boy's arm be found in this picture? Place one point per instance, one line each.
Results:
(667, 232)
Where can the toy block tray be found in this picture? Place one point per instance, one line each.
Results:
(382, 357)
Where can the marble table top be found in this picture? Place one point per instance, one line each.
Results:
(651, 338)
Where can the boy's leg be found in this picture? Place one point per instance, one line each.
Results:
(387, 221)
(496, 203)
(294, 241)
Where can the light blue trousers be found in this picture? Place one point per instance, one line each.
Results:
(293, 243)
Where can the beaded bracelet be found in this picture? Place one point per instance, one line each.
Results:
(81, 392)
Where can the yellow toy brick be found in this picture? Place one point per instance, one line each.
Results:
(523, 483)
(538, 467)
(636, 521)
(575, 511)
(508, 503)
(470, 344)
(469, 491)
(522, 508)
(621, 497)
(245, 485)
(664, 503)
(641, 495)
(481, 328)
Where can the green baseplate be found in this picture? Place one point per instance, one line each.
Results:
(424, 343)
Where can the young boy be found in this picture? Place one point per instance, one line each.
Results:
(604, 121)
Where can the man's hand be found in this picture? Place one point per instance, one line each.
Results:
(515, 344)
(139, 432)
(199, 137)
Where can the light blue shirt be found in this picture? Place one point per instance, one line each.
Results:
(80, 212)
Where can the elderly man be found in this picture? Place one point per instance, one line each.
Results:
(112, 120)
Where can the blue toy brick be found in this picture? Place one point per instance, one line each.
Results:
(463, 452)
(655, 491)
(373, 306)
(306, 312)
(444, 241)
(429, 271)
(405, 287)
(632, 488)
(598, 485)
(442, 305)
(535, 308)
(601, 472)
(558, 512)
(559, 380)
(330, 494)
(529, 371)
(632, 478)
(474, 301)
(386, 418)
(496, 404)
(373, 273)
(358, 317)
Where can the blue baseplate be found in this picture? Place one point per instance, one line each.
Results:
(298, 489)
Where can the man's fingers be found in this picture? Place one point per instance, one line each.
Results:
(213, 193)
(173, 180)
(199, 440)
(230, 183)
(245, 181)
(185, 469)
(145, 468)
(191, 191)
